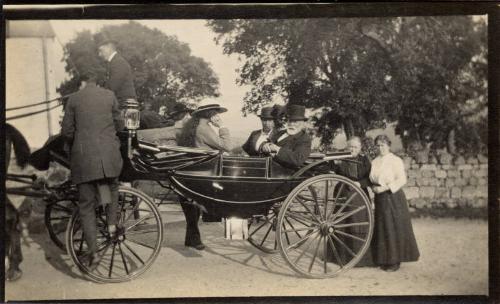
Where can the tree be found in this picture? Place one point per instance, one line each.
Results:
(163, 67)
(362, 72)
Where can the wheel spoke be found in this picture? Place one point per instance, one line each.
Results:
(348, 214)
(265, 236)
(129, 233)
(133, 252)
(305, 249)
(335, 252)
(266, 221)
(316, 201)
(345, 204)
(302, 239)
(112, 261)
(61, 208)
(60, 218)
(343, 244)
(309, 210)
(352, 224)
(299, 217)
(123, 258)
(315, 254)
(138, 222)
(142, 244)
(350, 236)
(326, 199)
(336, 199)
(325, 252)
(286, 234)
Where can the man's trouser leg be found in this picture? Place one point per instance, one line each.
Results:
(108, 190)
(192, 214)
(86, 207)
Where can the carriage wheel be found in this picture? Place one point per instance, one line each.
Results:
(262, 230)
(57, 216)
(127, 254)
(325, 226)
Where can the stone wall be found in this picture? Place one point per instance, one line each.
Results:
(447, 181)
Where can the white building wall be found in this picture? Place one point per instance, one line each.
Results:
(25, 85)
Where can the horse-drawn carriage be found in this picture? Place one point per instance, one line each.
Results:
(319, 221)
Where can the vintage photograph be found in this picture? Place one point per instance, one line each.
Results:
(246, 157)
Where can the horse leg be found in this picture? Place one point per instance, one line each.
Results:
(13, 242)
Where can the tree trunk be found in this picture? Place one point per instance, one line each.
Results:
(348, 128)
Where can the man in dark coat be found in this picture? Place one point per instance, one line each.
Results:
(90, 123)
(292, 148)
(152, 120)
(259, 137)
(119, 77)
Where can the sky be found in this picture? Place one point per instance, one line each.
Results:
(201, 41)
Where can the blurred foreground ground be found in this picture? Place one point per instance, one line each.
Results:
(454, 261)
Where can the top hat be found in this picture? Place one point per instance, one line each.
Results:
(296, 112)
(207, 107)
(179, 108)
(265, 113)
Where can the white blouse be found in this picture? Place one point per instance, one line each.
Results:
(388, 170)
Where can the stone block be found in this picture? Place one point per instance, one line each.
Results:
(427, 173)
(466, 173)
(441, 174)
(413, 173)
(407, 161)
(411, 192)
(442, 192)
(446, 167)
(422, 157)
(456, 192)
(473, 181)
(439, 182)
(483, 159)
(411, 182)
(415, 166)
(453, 173)
(482, 181)
(427, 192)
(428, 167)
(472, 160)
(483, 166)
(459, 160)
(449, 183)
(423, 181)
(482, 191)
(445, 158)
(433, 160)
(464, 167)
(460, 182)
(418, 203)
(478, 203)
(469, 192)
(481, 173)
(451, 203)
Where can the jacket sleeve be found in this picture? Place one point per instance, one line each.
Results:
(117, 116)
(248, 145)
(364, 172)
(398, 168)
(210, 138)
(297, 155)
(118, 71)
(68, 123)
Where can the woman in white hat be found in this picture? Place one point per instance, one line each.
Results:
(203, 130)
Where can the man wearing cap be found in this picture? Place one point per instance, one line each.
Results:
(259, 137)
(119, 77)
(89, 126)
(292, 148)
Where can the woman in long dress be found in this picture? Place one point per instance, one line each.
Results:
(393, 239)
(204, 130)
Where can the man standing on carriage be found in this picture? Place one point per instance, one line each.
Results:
(119, 77)
(91, 120)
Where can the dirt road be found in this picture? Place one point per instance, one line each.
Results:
(454, 261)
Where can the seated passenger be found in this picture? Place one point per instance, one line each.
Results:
(259, 137)
(151, 120)
(170, 134)
(203, 130)
(279, 117)
(292, 148)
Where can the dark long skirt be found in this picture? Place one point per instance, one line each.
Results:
(393, 238)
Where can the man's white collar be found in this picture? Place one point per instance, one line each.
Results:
(111, 56)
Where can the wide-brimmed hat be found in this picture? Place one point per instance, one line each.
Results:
(208, 107)
(296, 112)
(265, 113)
(103, 40)
(179, 108)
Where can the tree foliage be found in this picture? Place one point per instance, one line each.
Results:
(163, 67)
(364, 72)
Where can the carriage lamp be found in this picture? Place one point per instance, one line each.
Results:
(132, 121)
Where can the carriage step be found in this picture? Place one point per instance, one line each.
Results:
(235, 228)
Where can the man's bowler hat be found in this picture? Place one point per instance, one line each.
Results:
(296, 112)
(265, 113)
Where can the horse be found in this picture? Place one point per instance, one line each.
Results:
(13, 229)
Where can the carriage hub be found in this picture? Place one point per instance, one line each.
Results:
(327, 228)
